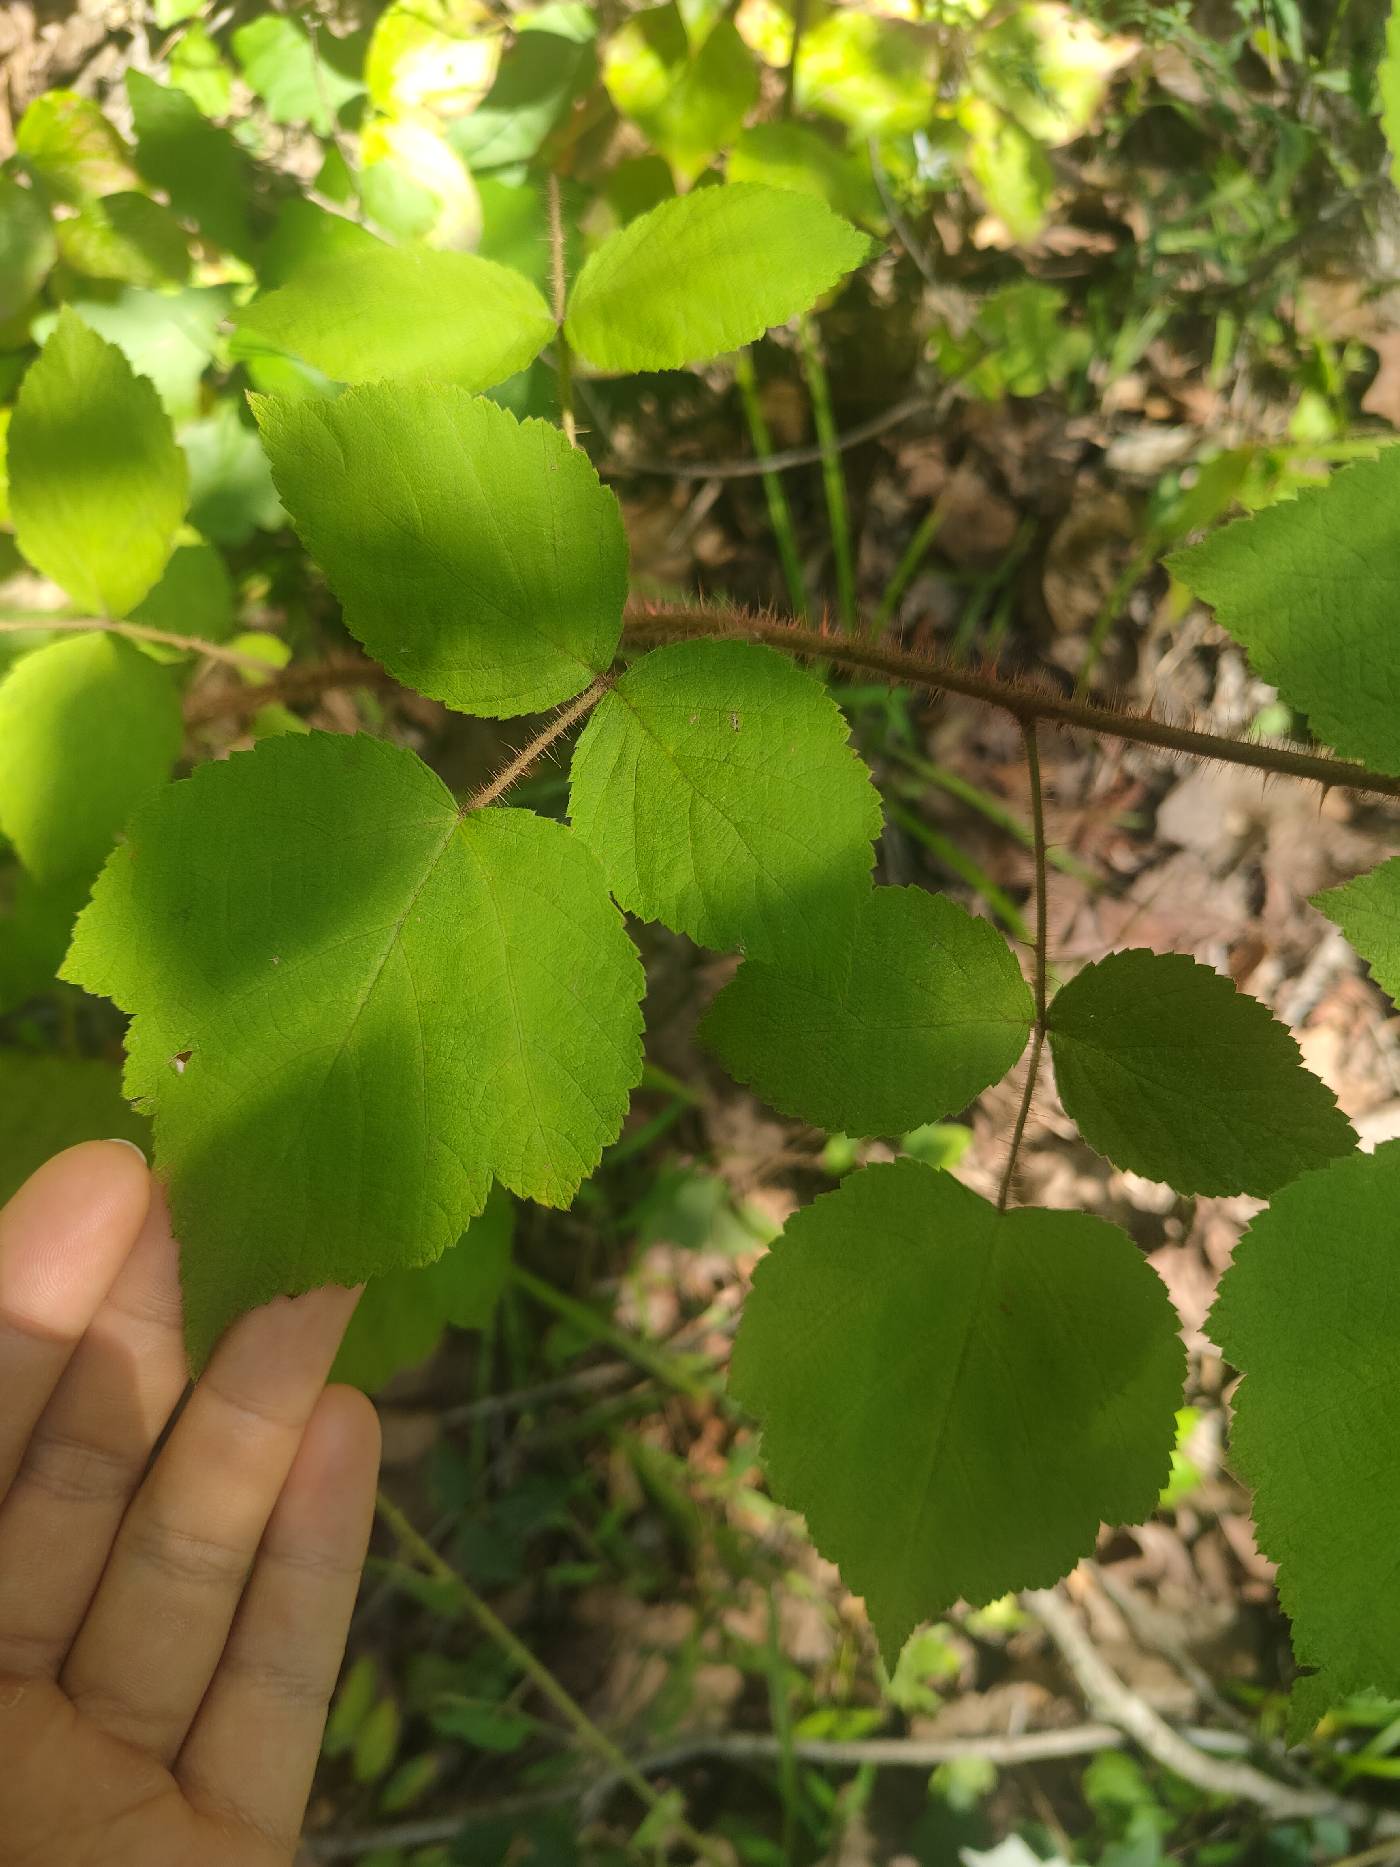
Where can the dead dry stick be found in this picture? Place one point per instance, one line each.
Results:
(1110, 1699)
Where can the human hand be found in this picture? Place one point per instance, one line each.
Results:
(170, 1631)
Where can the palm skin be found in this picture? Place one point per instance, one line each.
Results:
(170, 1627)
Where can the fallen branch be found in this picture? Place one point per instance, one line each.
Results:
(1110, 1699)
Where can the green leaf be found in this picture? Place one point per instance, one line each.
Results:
(875, 75)
(304, 235)
(706, 272)
(168, 336)
(404, 312)
(539, 79)
(193, 597)
(690, 98)
(298, 79)
(88, 725)
(399, 1320)
(1309, 1311)
(433, 55)
(97, 484)
(231, 490)
(479, 558)
(198, 69)
(909, 1016)
(53, 1102)
(27, 246)
(68, 145)
(1388, 90)
(717, 787)
(796, 156)
(352, 1006)
(1307, 586)
(203, 170)
(956, 1397)
(127, 237)
(1173, 1074)
(1367, 909)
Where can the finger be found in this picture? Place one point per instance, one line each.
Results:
(88, 1454)
(147, 1650)
(63, 1238)
(253, 1748)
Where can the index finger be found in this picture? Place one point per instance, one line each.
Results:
(63, 1238)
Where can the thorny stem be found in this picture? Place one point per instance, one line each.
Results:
(1038, 986)
(833, 478)
(134, 632)
(415, 1544)
(648, 623)
(564, 363)
(517, 766)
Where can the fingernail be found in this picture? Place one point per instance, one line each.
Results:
(120, 1140)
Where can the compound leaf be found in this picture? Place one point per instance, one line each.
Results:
(410, 313)
(1309, 1311)
(955, 1397)
(1367, 909)
(97, 484)
(1308, 587)
(88, 725)
(478, 557)
(717, 787)
(53, 1102)
(1173, 1074)
(352, 1006)
(400, 1319)
(907, 1018)
(706, 272)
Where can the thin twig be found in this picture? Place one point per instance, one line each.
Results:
(516, 767)
(649, 623)
(1028, 730)
(838, 511)
(1021, 698)
(134, 632)
(1108, 1698)
(415, 1544)
(744, 1747)
(773, 463)
(559, 279)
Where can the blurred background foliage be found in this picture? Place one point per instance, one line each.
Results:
(1137, 266)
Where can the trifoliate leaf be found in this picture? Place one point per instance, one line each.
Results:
(478, 557)
(716, 786)
(955, 1397)
(27, 245)
(1173, 1074)
(103, 533)
(1309, 1311)
(1367, 909)
(909, 1017)
(1307, 587)
(706, 272)
(53, 1102)
(67, 144)
(400, 1318)
(352, 1006)
(88, 725)
(126, 237)
(409, 313)
(203, 170)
